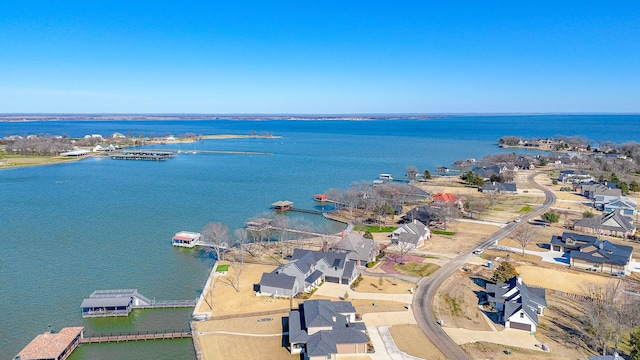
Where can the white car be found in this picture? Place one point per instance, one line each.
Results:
(478, 251)
(517, 220)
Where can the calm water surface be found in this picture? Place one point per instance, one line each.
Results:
(70, 229)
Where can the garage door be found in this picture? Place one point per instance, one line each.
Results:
(520, 326)
(332, 279)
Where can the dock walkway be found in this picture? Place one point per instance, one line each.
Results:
(135, 336)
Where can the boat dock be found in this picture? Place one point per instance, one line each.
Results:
(153, 155)
(120, 302)
(135, 336)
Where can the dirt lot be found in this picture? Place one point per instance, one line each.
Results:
(225, 346)
(382, 285)
(561, 278)
(411, 339)
(457, 303)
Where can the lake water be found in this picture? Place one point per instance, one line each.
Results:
(69, 229)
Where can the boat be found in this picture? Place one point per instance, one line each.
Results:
(387, 177)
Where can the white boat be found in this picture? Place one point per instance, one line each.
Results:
(385, 177)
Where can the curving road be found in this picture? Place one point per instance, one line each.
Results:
(427, 286)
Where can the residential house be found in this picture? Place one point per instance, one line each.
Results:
(104, 148)
(309, 268)
(485, 172)
(413, 234)
(498, 187)
(592, 189)
(614, 356)
(324, 329)
(425, 214)
(442, 199)
(622, 204)
(357, 248)
(519, 304)
(574, 176)
(590, 253)
(611, 224)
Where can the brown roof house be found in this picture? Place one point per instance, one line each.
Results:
(323, 329)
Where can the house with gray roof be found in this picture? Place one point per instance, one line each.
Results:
(575, 176)
(519, 304)
(622, 204)
(309, 268)
(591, 189)
(590, 253)
(611, 224)
(357, 248)
(323, 329)
(498, 187)
(413, 234)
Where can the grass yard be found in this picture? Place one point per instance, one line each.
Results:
(222, 268)
(224, 346)
(416, 269)
(440, 232)
(375, 228)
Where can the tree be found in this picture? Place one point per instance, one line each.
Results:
(587, 214)
(216, 235)
(504, 272)
(550, 217)
(427, 175)
(412, 172)
(281, 224)
(473, 205)
(633, 186)
(237, 267)
(493, 197)
(404, 247)
(634, 341)
(523, 235)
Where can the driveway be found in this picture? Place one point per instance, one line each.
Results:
(507, 337)
(554, 257)
(384, 345)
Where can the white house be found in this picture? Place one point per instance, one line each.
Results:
(415, 232)
(519, 304)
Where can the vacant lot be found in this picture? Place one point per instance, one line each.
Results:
(457, 303)
(383, 285)
(562, 279)
(411, 339)
(225, 346)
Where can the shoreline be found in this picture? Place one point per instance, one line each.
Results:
(54, 160)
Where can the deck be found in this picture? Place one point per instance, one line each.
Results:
(135, 336)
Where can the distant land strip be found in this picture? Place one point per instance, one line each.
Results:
(106, 117)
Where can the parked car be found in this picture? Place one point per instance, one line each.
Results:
(478, 251)
(618, 274)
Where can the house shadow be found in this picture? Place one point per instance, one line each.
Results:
(482, 282)
(494, 316)
(545, 246)
(565, 259)
(285, 332)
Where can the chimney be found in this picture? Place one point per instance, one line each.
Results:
(519, 279)
(325, 246)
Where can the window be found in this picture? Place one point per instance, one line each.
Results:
(596, 265)
(521, 315)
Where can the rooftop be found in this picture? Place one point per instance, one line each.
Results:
(50, 345)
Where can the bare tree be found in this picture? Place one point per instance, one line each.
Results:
(404, 247)
(448, 212)
(216, 235)
(237, 267)
(242, 237)
(473, 205)
(281, 225)
(493, 197)
(412, 172)
(523, 235)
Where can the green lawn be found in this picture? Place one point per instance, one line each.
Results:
(440, 232)
(375, 228)
(222, 268)
(416, 269)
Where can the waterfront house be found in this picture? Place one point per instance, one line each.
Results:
(498, 187)
(310, 268)
(324, 329)
(357, 248)
(612, 224)
(519, 304)
(590, 253)
(413, 234)
(52, 346)
(425, 214)
(592, 189)
(103, 148)
(258, 224)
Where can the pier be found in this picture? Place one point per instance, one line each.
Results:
(135, 336)
(143, 155)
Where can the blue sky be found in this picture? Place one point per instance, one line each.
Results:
(319, 56)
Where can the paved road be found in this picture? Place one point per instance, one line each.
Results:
(427, 287)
